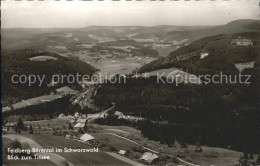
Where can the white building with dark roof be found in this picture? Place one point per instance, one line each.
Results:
(149, 157)
(241, 42)
(87, 137)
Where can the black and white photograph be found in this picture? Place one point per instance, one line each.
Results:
(130, 82)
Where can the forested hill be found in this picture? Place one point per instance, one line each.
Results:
(18, 62)
(222, 55)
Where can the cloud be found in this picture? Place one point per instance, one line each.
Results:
(50, 13)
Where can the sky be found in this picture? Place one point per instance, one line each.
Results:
(58, 14)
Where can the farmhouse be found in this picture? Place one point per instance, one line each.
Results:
(87, 138)
(149, 157)
(4, 109)
(81, 123)
(68, 136)
(9, 125)
(241, 42)
(76, 115)
(122, 152)
(203, 55)
(120, 115)
(61, 115)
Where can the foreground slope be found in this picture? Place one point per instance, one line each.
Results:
(18, 62)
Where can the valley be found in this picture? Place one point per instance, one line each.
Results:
(188, 123)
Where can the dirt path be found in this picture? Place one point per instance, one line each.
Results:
(124, 159)
(118, 130)
(133, 142)
(54, 158)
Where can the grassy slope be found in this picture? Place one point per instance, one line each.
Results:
(221, 156)
(222, 55)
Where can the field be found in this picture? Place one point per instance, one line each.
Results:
(42, 58)
(103, 133)
(209, 156)
(99, 158)
(163, 52)
(113, 65)
(53, 123)
(34, 101)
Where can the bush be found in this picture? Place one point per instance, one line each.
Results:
(64, 133)
(80, 131)
(188, 158)
(161, 150)
(31, 130)
(57, 133)
(103, 144)
(174, 160)
(112, 148)
(70, 127)
(16, 144)
(137, 155)
(26, 146)
(184, 145)
(138, 149)
(64, 127)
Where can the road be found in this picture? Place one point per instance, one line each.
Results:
(84, 99)
(100, 114)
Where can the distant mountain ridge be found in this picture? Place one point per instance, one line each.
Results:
(40, 37)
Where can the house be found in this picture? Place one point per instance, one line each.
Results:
(76, 115)
(203, 55)
(87, 138)
(81, 121)
(79, 125)
(241, 42)
(149, 157)
(68, 136)
(120, 115)
(4, 109)
(72, 121)
(61, 115)
(9, 126)
(122, 152)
